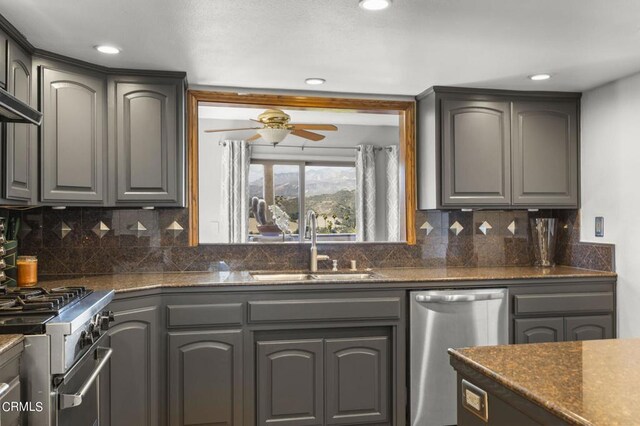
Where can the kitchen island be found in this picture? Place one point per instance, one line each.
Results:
(579, 383)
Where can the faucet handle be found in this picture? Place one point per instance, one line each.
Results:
(335, 265)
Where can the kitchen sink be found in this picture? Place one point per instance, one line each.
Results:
(307, 277)
(342, 277)
(281, 277)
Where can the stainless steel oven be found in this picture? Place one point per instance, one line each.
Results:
(61, 366)
(76, 392)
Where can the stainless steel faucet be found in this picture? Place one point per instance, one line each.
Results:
(311, 230)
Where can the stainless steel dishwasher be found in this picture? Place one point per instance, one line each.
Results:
(448, 319)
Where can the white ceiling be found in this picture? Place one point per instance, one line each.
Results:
(403, 50)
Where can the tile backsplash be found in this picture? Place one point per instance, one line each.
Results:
(99, 240)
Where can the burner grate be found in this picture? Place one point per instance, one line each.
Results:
(38, 300)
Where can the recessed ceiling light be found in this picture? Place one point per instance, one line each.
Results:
(314, 81)
(109, 50)
(539, 77)
(375, 4)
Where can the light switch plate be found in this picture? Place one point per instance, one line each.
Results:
(599, 226)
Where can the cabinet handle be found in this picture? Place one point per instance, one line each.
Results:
(4, 388)
(68, 400)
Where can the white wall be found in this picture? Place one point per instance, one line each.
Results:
(611, 185)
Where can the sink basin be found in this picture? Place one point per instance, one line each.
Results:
(307, 277)
(341, 277)
(281, 277)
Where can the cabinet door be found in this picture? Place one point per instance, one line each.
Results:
(545, 153)
(11, 417)
(539, 330)
(131, 389)
(593, 327)
(290, 382)
(3, 58)
(357, 380)
(20, 149)
(73, 137)
(205, 378)
(476, 153)
(148, 142)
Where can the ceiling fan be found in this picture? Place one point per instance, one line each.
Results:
(276, 127)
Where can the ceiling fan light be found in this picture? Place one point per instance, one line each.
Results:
(273, 136)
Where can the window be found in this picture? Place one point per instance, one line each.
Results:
(329, 189)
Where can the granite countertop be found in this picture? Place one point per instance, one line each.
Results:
(585, 383)
(7, 341)
(132, 282)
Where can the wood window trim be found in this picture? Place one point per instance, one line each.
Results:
(406, 110)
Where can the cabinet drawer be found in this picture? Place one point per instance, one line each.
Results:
(562, 303)
(324, 309)
(203, 315)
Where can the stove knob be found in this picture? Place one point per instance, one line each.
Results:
(106, 318)
(86, 339)
(95, 331)
(3, 251)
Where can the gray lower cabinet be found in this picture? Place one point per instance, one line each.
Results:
(545, 153)
(592, 327)
(10, 374)
(290, 382)
(539, 330)
(72, 136)
(205, 378)
(130, 391)
(147, 141)
(334, 381)
(357, 380)
(476, 153)
(20, 154)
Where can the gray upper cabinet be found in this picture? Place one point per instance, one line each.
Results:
(3, 60)
(290, 382)
(545, 153)
(147, 141)
(205, 378)
(21, 145)
(476, 153)
(357, 380)
(494, 148)
(73, 137)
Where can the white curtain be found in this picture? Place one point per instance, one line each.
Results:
(365, 193)
(393, 193)
(236, 158)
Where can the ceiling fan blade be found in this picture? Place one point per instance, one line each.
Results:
(315, 126)
(231, 130)
(307, 135)
(257, 121)
(254, 137)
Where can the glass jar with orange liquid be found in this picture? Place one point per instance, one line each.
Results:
(27, 271)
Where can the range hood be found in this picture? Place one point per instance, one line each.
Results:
(13, 110)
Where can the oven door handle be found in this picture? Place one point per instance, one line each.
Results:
(68, 400)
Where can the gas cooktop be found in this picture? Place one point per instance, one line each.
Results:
(26, 310)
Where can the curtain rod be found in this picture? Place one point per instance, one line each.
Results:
(357, 148)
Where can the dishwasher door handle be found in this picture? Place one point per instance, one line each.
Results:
(453, 298)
